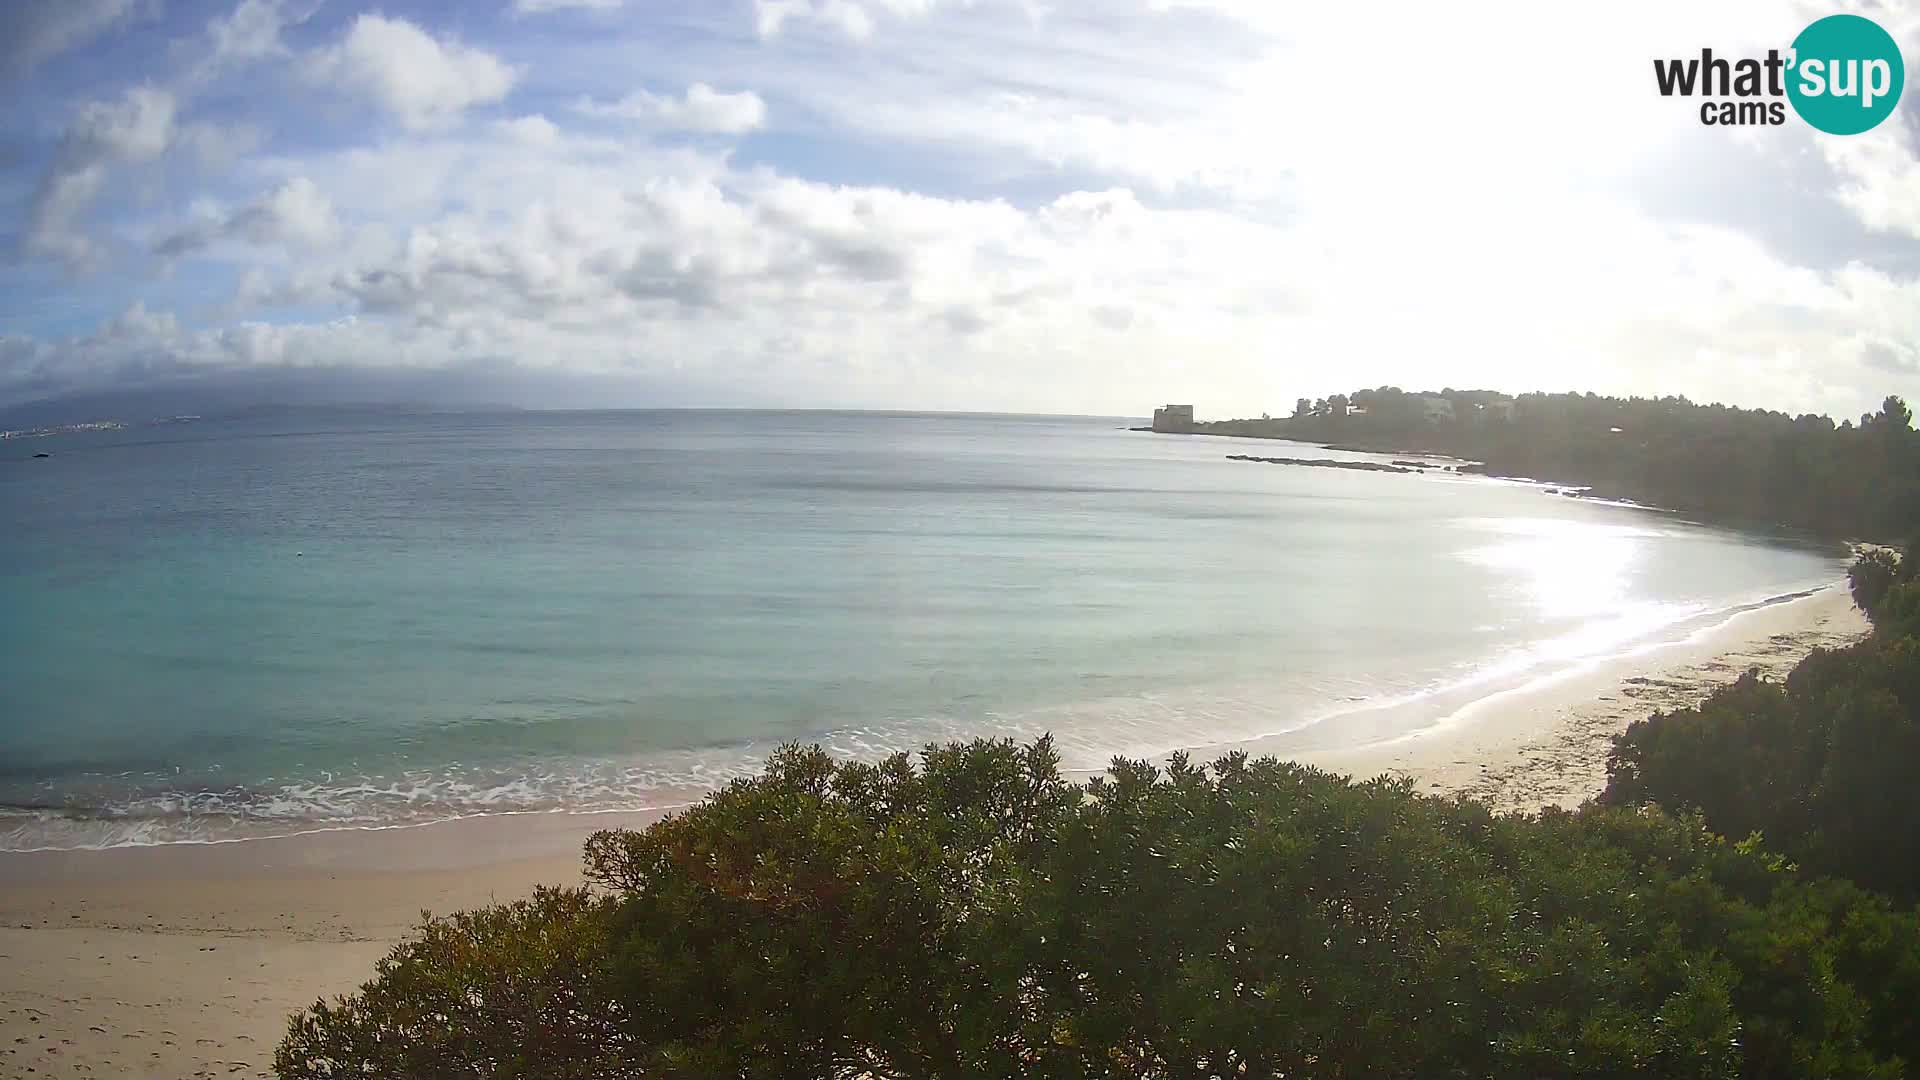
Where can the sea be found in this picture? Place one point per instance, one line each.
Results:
(298, 620)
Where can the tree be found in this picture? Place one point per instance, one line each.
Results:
(974, 914)
(521, 990)
(1741, 466)
(1822, 764)
(1892, 426)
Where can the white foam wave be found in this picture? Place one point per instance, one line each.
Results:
(1330, 711)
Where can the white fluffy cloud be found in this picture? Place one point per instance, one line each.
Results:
(701, 108)
(1880, 178)
(295, 213)
(137, 127)
(620, 260)
(142, 125)
(250, 32)
(531, 130)
(421, 80)
(989, 204)
(854, 18)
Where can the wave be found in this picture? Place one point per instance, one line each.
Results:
(134, 810)
(151, 815)
(130, 810)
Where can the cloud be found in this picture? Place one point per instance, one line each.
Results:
(1063, 134)
(140, 347)
(610, 256)
(617, 262)
(142, 126)
(26, 365)
(422, 81)
(532, 130)
(1889, 356)
(1880, 179)
(537, 7)
(33, 32)
(1172, 102)
(1010, 205)
(295, 213)
(701, 108)
(609, 261)
(250, 32)
(564, 251)
(138, 127)
(854, 18)
(771, 16)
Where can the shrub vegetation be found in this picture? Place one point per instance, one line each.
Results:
(971, 913)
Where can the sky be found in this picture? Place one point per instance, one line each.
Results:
(1080, 206)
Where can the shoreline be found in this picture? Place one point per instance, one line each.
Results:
(184, 959)
(1545, 742)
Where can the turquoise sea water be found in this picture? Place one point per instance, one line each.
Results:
(318, 619)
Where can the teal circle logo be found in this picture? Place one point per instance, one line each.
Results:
(1846, 74)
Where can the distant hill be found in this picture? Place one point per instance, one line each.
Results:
(473, 387)
(227, 393)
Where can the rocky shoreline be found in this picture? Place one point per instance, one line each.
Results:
(1330, 463)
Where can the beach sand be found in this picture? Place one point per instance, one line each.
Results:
(1545, 743)
(185, 960)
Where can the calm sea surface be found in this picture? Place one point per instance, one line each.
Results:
(316, 619)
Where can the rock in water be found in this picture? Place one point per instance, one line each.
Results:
(1324, 463)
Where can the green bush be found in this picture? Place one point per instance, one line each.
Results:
(514, 991)
(1822, 765)
(973, 914)
(1872, 575)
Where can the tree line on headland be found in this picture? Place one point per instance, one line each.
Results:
(1739, 903)
(1738, 465)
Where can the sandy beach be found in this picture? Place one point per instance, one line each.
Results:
(1545, 743)
(185, 960)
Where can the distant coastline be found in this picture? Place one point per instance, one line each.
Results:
(1752, 469)
(62, 429)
